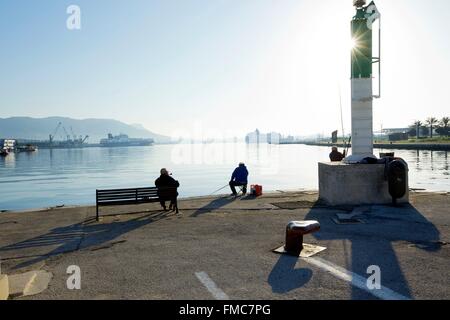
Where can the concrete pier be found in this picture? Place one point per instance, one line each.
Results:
(141, 252)
(359, 184)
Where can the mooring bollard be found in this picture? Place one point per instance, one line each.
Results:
(295, 230)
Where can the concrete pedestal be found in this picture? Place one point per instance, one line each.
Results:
(357, 184)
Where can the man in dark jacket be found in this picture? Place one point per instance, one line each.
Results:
(239, 178)
(167, 189)
(335, 155)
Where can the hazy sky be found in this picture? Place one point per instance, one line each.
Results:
(227, 66)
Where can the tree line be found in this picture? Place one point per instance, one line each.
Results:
(430, 126)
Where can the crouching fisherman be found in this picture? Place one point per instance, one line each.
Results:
(239, 178)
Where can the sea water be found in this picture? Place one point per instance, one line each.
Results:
(58, 177)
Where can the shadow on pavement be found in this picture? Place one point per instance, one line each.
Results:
(372, 242)
(284, 277)
(248, 197)
(80, 236)
(214, 205)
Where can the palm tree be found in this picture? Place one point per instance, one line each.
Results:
(431, 122)
(417, 126)
(444, 123)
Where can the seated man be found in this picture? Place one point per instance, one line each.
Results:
(239, 178)
(335, 155)
(167, 190)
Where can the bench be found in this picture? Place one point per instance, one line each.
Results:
(114, 197)
(295, 231)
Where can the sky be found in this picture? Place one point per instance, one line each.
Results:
(222, 67)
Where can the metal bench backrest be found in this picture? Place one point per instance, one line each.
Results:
(113, 197)
(121, 195)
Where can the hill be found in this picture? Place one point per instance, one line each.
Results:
(40, 128)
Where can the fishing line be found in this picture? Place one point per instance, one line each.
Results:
(342, 117)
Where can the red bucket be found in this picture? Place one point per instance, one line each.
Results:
(256, 190)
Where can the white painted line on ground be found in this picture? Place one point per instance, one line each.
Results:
(355, 279)
(217, 293)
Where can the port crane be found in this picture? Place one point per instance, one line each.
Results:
(76, 141)
(67, 134)
(52, 136)
(73, 134)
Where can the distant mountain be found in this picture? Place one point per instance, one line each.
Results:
(96, 129)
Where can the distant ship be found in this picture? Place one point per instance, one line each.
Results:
(122, 140)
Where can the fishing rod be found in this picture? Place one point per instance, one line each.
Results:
(219, 189)
(344, 140)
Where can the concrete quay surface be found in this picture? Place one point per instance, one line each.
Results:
(221, 247)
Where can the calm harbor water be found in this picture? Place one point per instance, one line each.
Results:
(70, 176)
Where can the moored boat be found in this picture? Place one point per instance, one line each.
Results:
(27, 148)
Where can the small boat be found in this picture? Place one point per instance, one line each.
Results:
(27, 148)
(4, 152)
